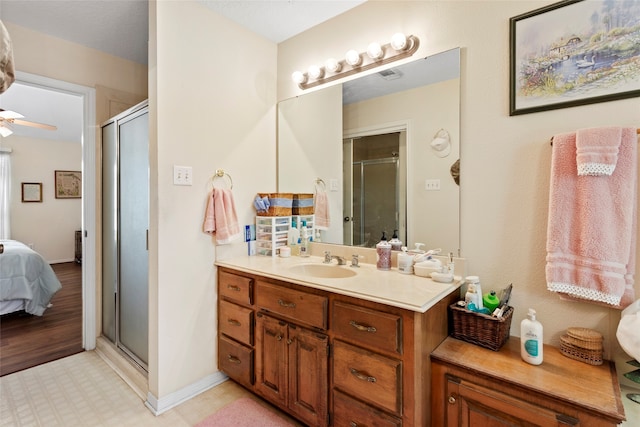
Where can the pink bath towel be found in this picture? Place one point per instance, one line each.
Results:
(220, 216)
(597, 150)
(592, 226)
(321, 210)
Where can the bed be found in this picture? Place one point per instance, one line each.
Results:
(27, 281)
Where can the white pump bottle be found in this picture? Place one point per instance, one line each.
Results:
(531, 339)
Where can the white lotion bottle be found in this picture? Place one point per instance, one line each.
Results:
(531, 339)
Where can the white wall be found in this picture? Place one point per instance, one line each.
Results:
(505, 160)
(50, 226)
(212, 98)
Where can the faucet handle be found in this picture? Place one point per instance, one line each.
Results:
(327, 257)
(355, 259)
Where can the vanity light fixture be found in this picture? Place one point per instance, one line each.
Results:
(353, 58)
(375, 51)
(399, 47)
(441, 143)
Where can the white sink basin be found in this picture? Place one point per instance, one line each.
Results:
(324, 271)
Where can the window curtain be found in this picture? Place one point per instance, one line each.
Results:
(5, 195)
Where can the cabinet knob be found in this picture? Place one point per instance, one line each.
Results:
(452, 399)
(353, 424)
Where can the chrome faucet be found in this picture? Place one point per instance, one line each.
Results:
(328, 257)
(355, 258)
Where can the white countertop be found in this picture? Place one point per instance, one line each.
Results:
(390, 287)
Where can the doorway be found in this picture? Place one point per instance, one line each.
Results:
(375, 188)
(88, 227)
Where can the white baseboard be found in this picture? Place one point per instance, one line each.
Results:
(159, 406)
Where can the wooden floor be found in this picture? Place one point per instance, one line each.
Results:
(27, 341)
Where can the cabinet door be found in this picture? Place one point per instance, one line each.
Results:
(271, 358)
(308, 375)
(473, 405)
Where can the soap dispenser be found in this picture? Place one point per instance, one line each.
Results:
(383, 253)
(531, 339)
(396, 244)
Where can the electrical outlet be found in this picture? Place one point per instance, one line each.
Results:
(333, 184)
(182, 175)
(432, 184)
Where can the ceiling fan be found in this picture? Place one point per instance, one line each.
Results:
(8, 118)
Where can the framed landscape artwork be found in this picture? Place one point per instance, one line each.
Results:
(68, 184)
(574, 53)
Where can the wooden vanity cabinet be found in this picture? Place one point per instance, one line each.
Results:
(476, 386)
(334, 360)
(236, 327)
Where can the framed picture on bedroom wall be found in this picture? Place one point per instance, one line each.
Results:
(68, 184)
(31, 192)
(573, 53)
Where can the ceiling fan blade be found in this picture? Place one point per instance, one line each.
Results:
(6, 114)
(32, 124)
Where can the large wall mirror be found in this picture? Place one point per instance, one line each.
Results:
(369, 143)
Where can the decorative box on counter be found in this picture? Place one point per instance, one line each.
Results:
(303, 204)
(481, 329)
(280, 204)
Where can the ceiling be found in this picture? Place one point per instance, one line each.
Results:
(120, 28)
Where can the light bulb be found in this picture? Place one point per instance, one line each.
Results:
(399, 41)
(315, 72)
(332, 65)
(353, 58)
(298, 77)
(375, 51)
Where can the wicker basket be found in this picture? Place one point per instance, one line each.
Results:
(481, 329)
(567, 348)
(303, 204)
(281, 204)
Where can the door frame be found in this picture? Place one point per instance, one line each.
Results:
(401, 126)
(88, 143)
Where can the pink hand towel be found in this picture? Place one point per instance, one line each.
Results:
(321, 210)
(592, 226)
(220, 217)
(597, 150)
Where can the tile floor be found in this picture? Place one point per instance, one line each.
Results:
(82, 390)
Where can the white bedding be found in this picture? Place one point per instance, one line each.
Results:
(26, 276)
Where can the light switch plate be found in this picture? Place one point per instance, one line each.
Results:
(182, 175)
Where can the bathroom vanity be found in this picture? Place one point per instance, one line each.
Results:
(476, 386)
(329, 344)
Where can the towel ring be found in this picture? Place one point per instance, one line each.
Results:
(220, 173)
(320, 181)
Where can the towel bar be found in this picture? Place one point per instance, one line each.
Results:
(637, 132)
(220, 173)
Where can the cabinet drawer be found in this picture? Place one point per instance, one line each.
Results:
(237, 288)
(236, 322)
(369, 327)
(368, 376)
(235, 360)
(302, 307)
(351, 412)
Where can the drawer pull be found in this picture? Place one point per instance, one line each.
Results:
(362, 376)
(353, 424)
(233, 322)
(452, 399)
(234, 288)
(362, 328)
(234, 359)
(287, 304)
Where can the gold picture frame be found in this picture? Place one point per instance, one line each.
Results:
(31, 192)
(68, 184)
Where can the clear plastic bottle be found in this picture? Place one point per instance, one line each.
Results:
(531, 347)
(304, 240)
